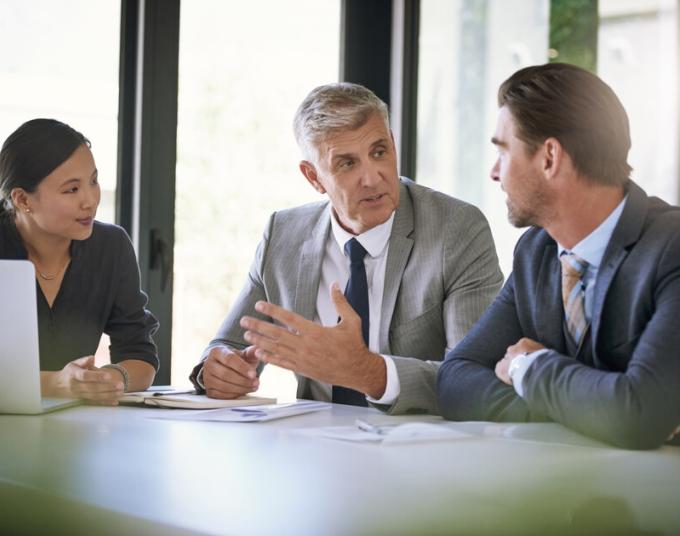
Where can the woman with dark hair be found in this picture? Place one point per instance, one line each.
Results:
(86, 271)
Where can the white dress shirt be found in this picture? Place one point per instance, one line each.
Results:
(335, 267)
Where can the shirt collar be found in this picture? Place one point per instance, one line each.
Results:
(374, 240)
(591, 248)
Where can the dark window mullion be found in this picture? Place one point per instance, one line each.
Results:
(147, 151)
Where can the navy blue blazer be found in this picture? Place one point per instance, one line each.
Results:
(623, 386)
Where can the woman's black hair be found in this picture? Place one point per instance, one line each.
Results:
(32, 152)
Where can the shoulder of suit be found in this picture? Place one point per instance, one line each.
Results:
(289, 228)
(662, 212)
(300, 214)
(441, 208)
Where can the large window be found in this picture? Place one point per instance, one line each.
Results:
(467, 48)
(243, 72)
(60, 60)
(638, 57)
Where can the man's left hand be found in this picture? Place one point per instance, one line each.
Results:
(336, 355)
(523, 346)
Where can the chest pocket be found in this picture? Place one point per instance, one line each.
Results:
(422, 336)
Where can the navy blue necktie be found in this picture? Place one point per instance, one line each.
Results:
(357, 296)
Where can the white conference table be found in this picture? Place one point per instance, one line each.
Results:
(92, 470)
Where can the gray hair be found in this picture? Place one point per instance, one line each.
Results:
(333, 108)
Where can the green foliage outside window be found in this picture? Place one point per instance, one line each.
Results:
(573, 32)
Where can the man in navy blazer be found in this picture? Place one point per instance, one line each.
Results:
(586, 330)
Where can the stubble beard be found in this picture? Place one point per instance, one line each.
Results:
(535, 213)
(520, 218)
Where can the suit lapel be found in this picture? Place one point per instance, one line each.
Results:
(397, 257)
(605, 274)
(549, 309)
(309, 271)
(626, 233)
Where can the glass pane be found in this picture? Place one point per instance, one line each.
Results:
(467, 48)
(241, 77)
(60, 60)
(638, 58)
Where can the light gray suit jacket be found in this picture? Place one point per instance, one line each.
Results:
(441, 274)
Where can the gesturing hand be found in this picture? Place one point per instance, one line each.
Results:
(335, 355)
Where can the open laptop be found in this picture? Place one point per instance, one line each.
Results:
(19, 355)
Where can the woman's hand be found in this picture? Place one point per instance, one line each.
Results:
(81, 379)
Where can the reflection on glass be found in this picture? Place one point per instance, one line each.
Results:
(242, 76)
(638, 58)
(467, 48)
(60, 60)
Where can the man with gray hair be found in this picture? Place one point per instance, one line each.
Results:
(417, 267)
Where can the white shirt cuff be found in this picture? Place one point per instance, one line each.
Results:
(199, 378)
(392, 386)
(518, 372)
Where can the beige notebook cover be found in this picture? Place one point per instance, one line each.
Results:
(191, 401)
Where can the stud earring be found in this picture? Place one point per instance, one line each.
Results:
(28, 211)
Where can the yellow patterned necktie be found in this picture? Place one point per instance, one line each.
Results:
(573, 295)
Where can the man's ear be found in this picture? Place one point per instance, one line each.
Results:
(309, 171)
(552, 157)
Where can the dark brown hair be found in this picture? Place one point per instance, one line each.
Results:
(32, 152)
(578, 109)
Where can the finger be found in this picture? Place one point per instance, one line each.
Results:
(267, 329)
(232, 362)
(96, 376)
(265, 343)
(84, 362)
(109, 402)
(249, 356)
(102, 397)
(276, 359)
(99, 396)
(261, 340)
(225, 395)
(97, 389)
(501, 372)
(342, 306)
(225, 379)
(287, 318)
(510, 352)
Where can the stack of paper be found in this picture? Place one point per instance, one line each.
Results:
(249, 414)
(412, 432)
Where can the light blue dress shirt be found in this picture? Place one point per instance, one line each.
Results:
(591, 249)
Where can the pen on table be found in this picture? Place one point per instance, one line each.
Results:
(368, 427)
(249, 411)
(173, 392)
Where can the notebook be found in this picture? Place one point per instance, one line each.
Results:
(190, 400)
(19, 352)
